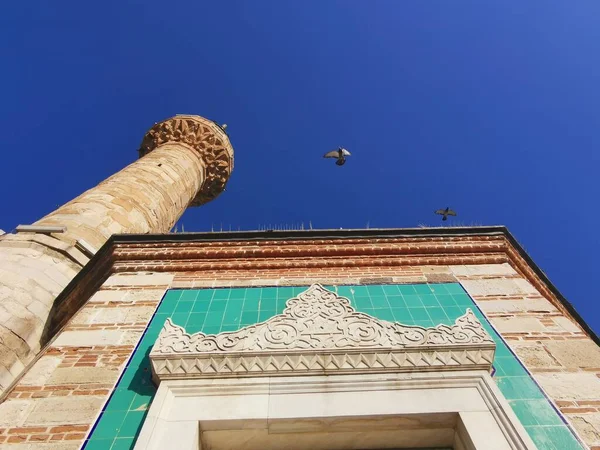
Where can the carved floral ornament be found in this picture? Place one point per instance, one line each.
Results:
(321, 331)
(204, 136)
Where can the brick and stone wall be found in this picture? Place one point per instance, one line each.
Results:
(56, 403)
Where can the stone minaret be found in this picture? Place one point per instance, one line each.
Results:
(184, 161)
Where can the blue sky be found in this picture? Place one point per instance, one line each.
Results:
(491, 107)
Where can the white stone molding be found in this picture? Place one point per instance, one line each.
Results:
(462, 410)
(320, 332)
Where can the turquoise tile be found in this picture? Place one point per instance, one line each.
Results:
(419, 314)
(463, 300)
(445, 300)
(553, 438)
(201, 306)
(229, 327)
(413, 301)
(345, 291)
(188, 296)
(396, 301)
(266, 314)
(99, 444)
(544, 413)
(407, 289)
(214, 319)
(369, 311)
(519, 388)
(454, 312)
(217, 305)
(524, 411)
(401, 315)
(429, 300)
(205, 295)
(232, 316)
(363, 302)
(375, 290)
(221, 294)
(120, 402)
(385, 314)
(166, 307)
(213, 329)
(178, 319)
(235, 303)
(562, 438)
(422, 289)
(454, 288)
(142, 402)
(110, 425)
(268, 303)
(238, 293)
(439, 288)
(510, 366)
(391, 289)
(123, 444)
(284, 292)
(268, 293)
(183, 307)
(132, 424)
(361, 291)
(380, 302)
(172, 295)
(251, 304)
(195, 322)
(438, 315)
(502, 350)
(252, 293)
(249, 317)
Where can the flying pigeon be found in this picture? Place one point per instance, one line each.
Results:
(445, 213)
(340, 154)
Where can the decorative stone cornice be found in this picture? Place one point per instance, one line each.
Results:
(320, 332)
(204, 136)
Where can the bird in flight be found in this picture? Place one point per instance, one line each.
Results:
(445, 213)
(340, 154)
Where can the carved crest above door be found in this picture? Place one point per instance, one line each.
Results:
(319, 331)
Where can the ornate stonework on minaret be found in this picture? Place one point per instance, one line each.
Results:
(184, 161)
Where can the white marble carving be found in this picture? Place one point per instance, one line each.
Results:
(319, 330)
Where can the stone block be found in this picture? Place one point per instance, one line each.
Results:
(40, 309)
(56, 445)
(576, 353)
(5, 377)
(41, 371)
(588, 427)
(83, 375)
(566, 324)
(14, 412)
(493, 287)
(60, 410)
(150, 279)
(484, 270)
(511, 306)
(570, 385)
(526, 287)
(517, 324)
(114, 315)
(127, 296)
(88, 338)
(533, 355)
